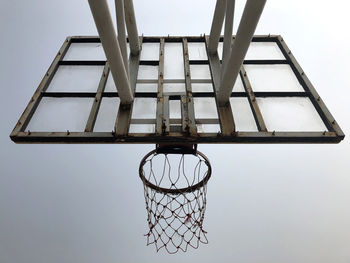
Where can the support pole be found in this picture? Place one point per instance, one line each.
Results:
(119, 6)
(104, 24)
(247, 26)
(216, 26)
(131, 27)
(226, 51)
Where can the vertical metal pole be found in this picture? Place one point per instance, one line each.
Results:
(216, 26)
(230, 10)
(162, 121)
(188, 117)
(104, 24)
(131, 27)
(119, 6)
(247, 26)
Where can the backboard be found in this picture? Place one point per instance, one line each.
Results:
(175, 81)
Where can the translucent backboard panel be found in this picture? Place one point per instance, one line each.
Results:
(202, 87)
(238, 87)
(259, 51)
(272, 100)
(148, 72)
(200, 72)
(197, 51)
(264, 50)
(243, 115)
(150, 51)
(144, 108)
(205, 108)
(174, 109)
(174, 87)
(290, 114)
(146, 87)
(76, 79)
(85, 51)
(272, 78)
(208, 128)
(57, 114)
(173, 61)
(107, 115)
(142, 128)
(110, 85)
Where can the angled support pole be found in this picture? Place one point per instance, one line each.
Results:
(226, 51)
(119, 7)
(247, 26)
(216, 26)
(131, 27)
(104, 24)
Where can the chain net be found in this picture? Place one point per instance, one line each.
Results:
(175, 187)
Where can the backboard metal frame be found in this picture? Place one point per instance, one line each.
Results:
(188, 133)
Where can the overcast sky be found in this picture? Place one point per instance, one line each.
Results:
(84, 203)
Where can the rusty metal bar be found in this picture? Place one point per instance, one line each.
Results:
(160, 126)
(189, 122)
(166, 116)
(227, 123)
(122, 122)
(98, 99)
(239, 137)
(259, 120)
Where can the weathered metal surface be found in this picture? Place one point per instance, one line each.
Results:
(189, 122)
(162, 125)
(122, 122)
(98, 98)
(252, 101)
(227, 123)
(239, 137)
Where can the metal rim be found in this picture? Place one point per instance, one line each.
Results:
(174, 191)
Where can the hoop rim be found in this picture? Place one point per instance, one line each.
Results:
(189, 189)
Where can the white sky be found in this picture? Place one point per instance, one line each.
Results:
(84, 203)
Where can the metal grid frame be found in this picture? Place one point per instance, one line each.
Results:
(164, 131)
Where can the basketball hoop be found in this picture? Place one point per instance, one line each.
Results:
(175, 198)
